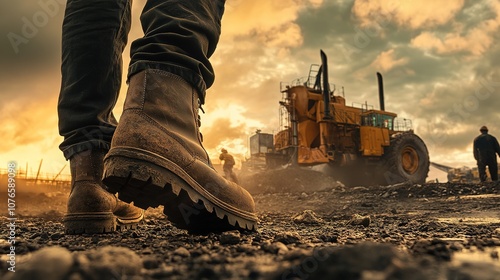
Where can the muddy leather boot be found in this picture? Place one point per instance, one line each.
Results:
(91, 209)
(156, 158)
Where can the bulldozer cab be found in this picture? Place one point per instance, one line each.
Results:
(377, 118)
(374, 132)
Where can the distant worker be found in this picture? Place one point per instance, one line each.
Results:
(228, 165)
(486, 149)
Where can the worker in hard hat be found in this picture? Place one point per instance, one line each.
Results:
(486, 148)
(228, 165)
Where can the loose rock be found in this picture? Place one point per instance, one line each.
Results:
(183, 252)
(47, 263)
(230, 237)
(307, 217)
(360, 220)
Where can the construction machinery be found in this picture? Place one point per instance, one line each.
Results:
(458, 175)
(462, 174)
(360, 144)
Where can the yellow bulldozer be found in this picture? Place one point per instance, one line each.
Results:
(359, 144)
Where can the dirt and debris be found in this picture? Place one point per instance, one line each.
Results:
(311, 227)
(307, 217)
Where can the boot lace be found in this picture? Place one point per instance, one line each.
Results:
(200, 108)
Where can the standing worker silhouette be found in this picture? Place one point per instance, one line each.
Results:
(486, 149)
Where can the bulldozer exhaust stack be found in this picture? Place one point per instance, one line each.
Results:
(381, 91)
(326, 85)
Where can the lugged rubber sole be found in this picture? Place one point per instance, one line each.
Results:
(92, 222)
(97, 222)
(126, 224)
(131, 173)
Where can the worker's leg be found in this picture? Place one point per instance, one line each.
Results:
(493, 168)
(481, 168)
(234, 178)
(179, 37)
(156, 156)
(227, 172)
(93, 37)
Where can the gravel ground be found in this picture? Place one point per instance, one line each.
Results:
(311, 227)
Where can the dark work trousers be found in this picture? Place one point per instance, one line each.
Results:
(492, 167)
(179, 37)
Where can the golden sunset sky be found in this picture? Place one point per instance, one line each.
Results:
(440, 60)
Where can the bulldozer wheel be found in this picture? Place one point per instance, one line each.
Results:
(406, 159)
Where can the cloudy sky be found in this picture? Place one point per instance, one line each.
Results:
(440, 61)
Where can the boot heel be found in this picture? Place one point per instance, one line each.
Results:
(78, 223)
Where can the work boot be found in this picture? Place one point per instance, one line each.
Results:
(91, 209)
(156, 158)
